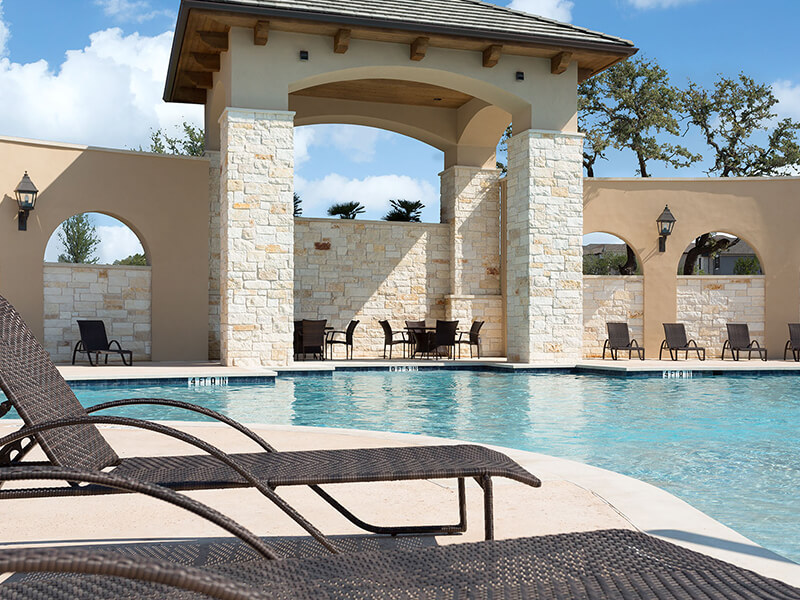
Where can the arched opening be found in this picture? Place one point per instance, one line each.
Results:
(607, 254)
(96, 267)
(719, 253)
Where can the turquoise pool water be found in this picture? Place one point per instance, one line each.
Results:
(727, 445)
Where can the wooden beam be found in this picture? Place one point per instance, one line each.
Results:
(341, 41)
(491, 56)
(261, 33)
(584, 74)
(419, 47)
(216, 40)
(191, 95)
(201, 79)
(209, 62)
(560, 62)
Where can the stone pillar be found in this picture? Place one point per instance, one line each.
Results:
(470, 204)
(544, 296)
(257, 237)
(213, 254)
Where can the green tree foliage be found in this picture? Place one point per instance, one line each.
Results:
(596, 141)
(346, 210)
(609, 263)
(135, 260)
(405, 210)
(80, 240)
(732, 117)
(630, 104)
(298, 205)
(747, 265)
(191, 142)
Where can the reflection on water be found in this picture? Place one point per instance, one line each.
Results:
(727, 445)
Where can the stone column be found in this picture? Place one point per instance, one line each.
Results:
(257, 237)
(470, 204)
(544, 296)
(213, 254)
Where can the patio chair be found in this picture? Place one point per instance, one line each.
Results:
(390, 341)
(297, 345)
(739, 340)
(445, 337)
(619, 338)
(67, 434)
(613, 563)
(675, 334)
(473, 338)
(347, 342)
(314, 338)
(794, 342)
(419, 338)
(95, 341)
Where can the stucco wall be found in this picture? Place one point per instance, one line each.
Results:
(119, 295)
(369, 271)
(706, 303)
(610, 299)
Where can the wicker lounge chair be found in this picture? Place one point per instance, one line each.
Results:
(473, 338)
(67, 434)
(347, 342)
(739, 340)
(794, 342)
(389, 339)
(95, 341)
(619, 338)
(619, 564)
(675, 334)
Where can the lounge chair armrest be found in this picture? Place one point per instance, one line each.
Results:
(634, 344)
(98, 562)
(755, 344)
(119, 346)
(265, 490)
(185, 406)
(690, 342)
(38, 473)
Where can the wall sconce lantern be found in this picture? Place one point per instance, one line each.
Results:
(26, 194)
(665, 224)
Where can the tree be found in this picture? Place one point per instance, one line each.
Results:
(80, 240)
(346, 210)
(298, 208)
(503, 147)
(191, 143)
(630, 104)
(603, 264)
(405, 210)
(135, 260)
(595, 141)
(747, 265)
(732, 117)
(706, 245)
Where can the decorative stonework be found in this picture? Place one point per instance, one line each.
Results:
(707, 303)
(611, 298)
(257, 237)
(544, 239)
(466, 309)
(213, 254)
(118, 295)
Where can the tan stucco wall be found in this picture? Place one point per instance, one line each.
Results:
(763, 212)
(163, 199)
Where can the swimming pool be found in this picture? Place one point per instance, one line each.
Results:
(727, 445)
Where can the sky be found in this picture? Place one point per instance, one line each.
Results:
(92, 72)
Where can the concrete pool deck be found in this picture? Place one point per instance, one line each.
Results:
(573, 497)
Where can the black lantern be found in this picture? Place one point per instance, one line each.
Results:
(26, 194)
(665, 224)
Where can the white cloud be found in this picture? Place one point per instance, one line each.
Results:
(788, 95)
(648, 4)
(354, 142)
(303, 140)
(560, 10)
(373, 192)
(116, 242)
(107, 94)
(137, 11)
(4, 33)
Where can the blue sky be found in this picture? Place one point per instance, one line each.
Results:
(92, 72)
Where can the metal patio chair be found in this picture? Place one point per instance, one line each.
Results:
(95, 341)
(619, 338)
(794, 342)
(347, 342)
(473, 338)
(67, 433)
(445, 337)
(389, 339)
(675, 334)
(739, 341)
(313, 337)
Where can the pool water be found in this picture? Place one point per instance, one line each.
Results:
(727, 445)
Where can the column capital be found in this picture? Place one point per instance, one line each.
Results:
(251, 114)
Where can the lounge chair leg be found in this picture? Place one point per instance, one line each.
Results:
(488, 508)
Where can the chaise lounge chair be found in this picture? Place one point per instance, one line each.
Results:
(68, 435)
(675, 334)
(739, 340)
(794, 342)
(619, 338)
(619, 564)
(95, 341)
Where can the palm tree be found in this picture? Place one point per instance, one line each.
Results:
(405, 210)
(346, 210)
(298, 209)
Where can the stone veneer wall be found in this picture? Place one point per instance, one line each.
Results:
(707, 303)
(119, 295)
(370, 271)
(611, 298)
